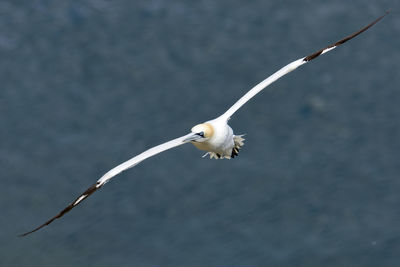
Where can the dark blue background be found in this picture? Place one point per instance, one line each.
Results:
(85, 85)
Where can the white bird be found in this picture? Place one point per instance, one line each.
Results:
(215, 136)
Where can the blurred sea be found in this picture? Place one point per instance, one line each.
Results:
(87, 84)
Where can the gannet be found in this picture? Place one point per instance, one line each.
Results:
(215, 136)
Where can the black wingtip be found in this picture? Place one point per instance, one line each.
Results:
(73, 204)
(345, 39)
(30, 232)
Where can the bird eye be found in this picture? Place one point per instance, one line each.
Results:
(201, 134)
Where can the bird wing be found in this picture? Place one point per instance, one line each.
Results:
(113, 172)
(290, 67)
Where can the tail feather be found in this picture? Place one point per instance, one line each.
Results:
(239, 142)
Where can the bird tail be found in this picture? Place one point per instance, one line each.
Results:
(239, 142)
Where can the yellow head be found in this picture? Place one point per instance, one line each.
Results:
(205, 130)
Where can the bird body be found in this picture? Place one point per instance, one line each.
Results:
(219, 140)
(215, 136)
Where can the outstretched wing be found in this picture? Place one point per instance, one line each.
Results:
(290, 67)
(113, 172)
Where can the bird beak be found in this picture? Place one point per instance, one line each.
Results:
(191, 137)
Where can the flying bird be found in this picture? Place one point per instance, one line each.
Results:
(215, 136)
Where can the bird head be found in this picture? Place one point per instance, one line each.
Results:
(200, 133)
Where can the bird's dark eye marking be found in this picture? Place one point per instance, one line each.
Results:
(200, 134)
